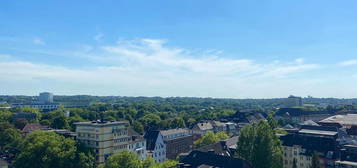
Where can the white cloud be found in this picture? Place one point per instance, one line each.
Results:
(299, 60)
(150, 67)
(98, 37)
(38, 41)
(348, 63)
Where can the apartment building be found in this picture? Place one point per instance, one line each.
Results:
(177, 141)
(155, 145)
(300, 146)
(137, 144)
(107, 138)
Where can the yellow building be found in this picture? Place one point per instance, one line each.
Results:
(106, 138)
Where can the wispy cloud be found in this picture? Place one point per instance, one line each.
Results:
(348, 63)
(152, 67)
(38, 41)
(98, 37)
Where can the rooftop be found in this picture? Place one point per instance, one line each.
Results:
(344, 120)
(173, 131)
(317, 132)
(101, 123)
(204, 126)
(33, 126)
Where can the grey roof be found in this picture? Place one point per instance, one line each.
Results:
(288, 126)
(173, 131)
(204, 126)
(317, 132)
(309, 122)
(345, 120)
(217, 124)
(151, 137)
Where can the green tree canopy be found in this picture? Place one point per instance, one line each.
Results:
(126, 159)
(47, 150)
(10, 138)
(260, 146)
(210, 138)
(123, 159)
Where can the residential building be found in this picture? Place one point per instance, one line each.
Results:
(345, 121)
(107, 138)
(198, 159)
(218, 126)
(215, 126)
(299, 115)
(293, 101)
(30, 127)
(202, 128)
(226, 147)
(155, 145)
(43, 106)
(348, 157)
(300, 146)
(177, 141)
(137, 144)
(45, 97)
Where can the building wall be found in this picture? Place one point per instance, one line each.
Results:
(106, 140)
(159, 153)
(46, 97)
(139, 147)
(296, 153)
(179, 145)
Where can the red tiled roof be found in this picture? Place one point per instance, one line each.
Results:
(29, 127)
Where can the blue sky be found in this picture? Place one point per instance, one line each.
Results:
(200, 48)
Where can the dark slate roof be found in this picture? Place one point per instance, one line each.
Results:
(298, 112)
(151, 137)
(314, 141)
(225, 147)
(197, 159)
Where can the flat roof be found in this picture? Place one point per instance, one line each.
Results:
(318, 132)
(347, 163)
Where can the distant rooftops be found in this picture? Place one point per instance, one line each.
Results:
(174, 131)
(317, 132)
(29, 127)
(343, 120)
(101, 123)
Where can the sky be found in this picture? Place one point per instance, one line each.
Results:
(187, 48)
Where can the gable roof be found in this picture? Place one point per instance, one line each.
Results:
(173, 131)
(29, 127)
(151, 137)
(204, 126)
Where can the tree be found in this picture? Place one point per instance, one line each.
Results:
(138, 127)
(10, 138)
(260, 146)
(126, 159)
(271, 120)
(210, 138)
(123, 159)
(46, 150)
(60, 122)
(177, 122)
(5, 115)
(20, 123)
